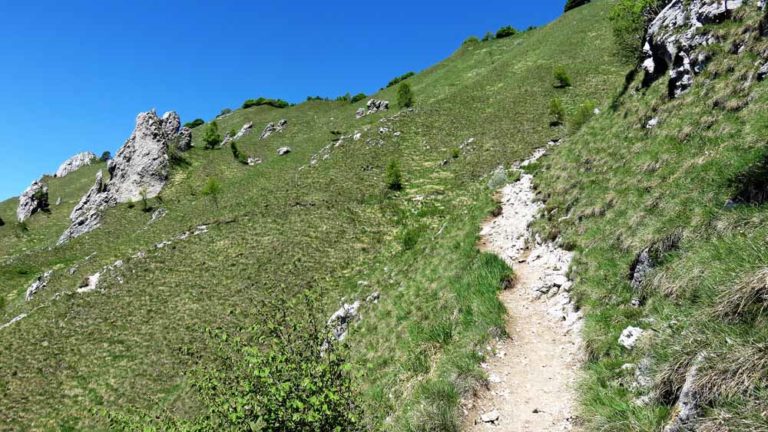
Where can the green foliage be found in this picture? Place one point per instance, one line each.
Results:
(399, 79)
(344, 98)
(393, 177)
(194, 123)
(105, 156)
(505, 31)
(358, 97)
(405, 96)
(487, 37)
(562, 80)
(276, 103)
(557, 112)
(472, 40)
(2, 222)
(455, 153)
(629, 21)
(572, 4)
(145, 207)
(585, 111)
(211, 136)
(224, 112)
(316, 98)
(410, 237)
(212, 190)
(237, 154)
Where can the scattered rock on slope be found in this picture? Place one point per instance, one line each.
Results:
(39, 283)
(272, 128)
(689, 403)
(673, 37)
(340, 320)
(34, 199)
(630, 336)
(86, 216)
(282, 151)
(74, 163)
(184, 139)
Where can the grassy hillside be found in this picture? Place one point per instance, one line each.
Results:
(618, 187)
(286, 229)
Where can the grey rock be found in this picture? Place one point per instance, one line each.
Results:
(92, 282)
(339, 322)
(184, 139)
(252, 161)
(141, 165)
(490, 417)
(58, 201)
(74, 163)
(360, 113)
(675, 34)
(86, 216)
(282, 151)
(34, 199)
(158, 214)
(630, 336)
(13, 321)
(688, 405)
(273, 128)
(762, 72)
(652, 123)
(376, 105)
(40, 283)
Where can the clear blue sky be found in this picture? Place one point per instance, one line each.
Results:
(75, 73)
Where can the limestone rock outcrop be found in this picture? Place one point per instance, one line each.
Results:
(373, 106)
(34, 199)
(184, 139)
(273, 128)
(675, 34)
(74, 163)
(138, 170)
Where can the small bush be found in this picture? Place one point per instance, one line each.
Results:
(562, 80)
(400, 79)
(557, 112)
(239, 156)
(404, 96)
(105, 156)
(224, 112)
(572, 4)
(410, 237)
(211, 136)
(455, 153)
(194, 123)
(212, 190)
(472, 40)
(276, 103)
(506, 31)
(2, 222)
(498, 179)
(316, 98)
(145, 207)
(488, 36)
(585, 112)
(393, 177)
(345, 98)
(358, 97)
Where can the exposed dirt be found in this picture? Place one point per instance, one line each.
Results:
(532, 374)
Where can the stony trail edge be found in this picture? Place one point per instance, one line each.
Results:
(532, 374)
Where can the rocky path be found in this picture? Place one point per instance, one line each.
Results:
(532, 373)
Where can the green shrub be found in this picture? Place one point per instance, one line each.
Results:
(629, 21)
(393, 177)
(562, 80)
(212, 189)
(224, 112)
(410, 237)
(585, 112)
(211, 136)
(194, 123)
(488, 36)
(405, 96)
(506, 31)
(345, 98)
(105, 156)
(316, 98)
(401, 78)
(572, 4)
(358, 97)
(455, 153)
(2, 222)
(239, 156)
(472, 40)
(276, 103)
(557, 112)
(145, 207)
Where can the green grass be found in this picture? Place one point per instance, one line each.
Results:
(285, 228)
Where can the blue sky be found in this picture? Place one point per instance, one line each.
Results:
(74, 74)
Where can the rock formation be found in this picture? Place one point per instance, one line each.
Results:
(282, 151)
(675, 34)
(138, 170)
(245, 130)
(74, 163)
(39, 283)
(373, 106)
(689, 403)
(272, 128)
(184, 139)
(32, 200)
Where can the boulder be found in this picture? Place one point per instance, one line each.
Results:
(376, 105)
(39, 283)
(74, 163)
(273, 128)
(34, 199)
(282, 151)
(140, 167)
(339, 322)
(86, 216)
(675, 34)
(630, 336)
(360, 113)
(245, 130)
(184, 139)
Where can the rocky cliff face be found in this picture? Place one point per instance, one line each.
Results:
(32, 200)
(75, 162)
(674, 36)
(138, 170)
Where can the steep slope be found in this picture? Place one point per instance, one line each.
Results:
(663, 202)
(285, 229)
